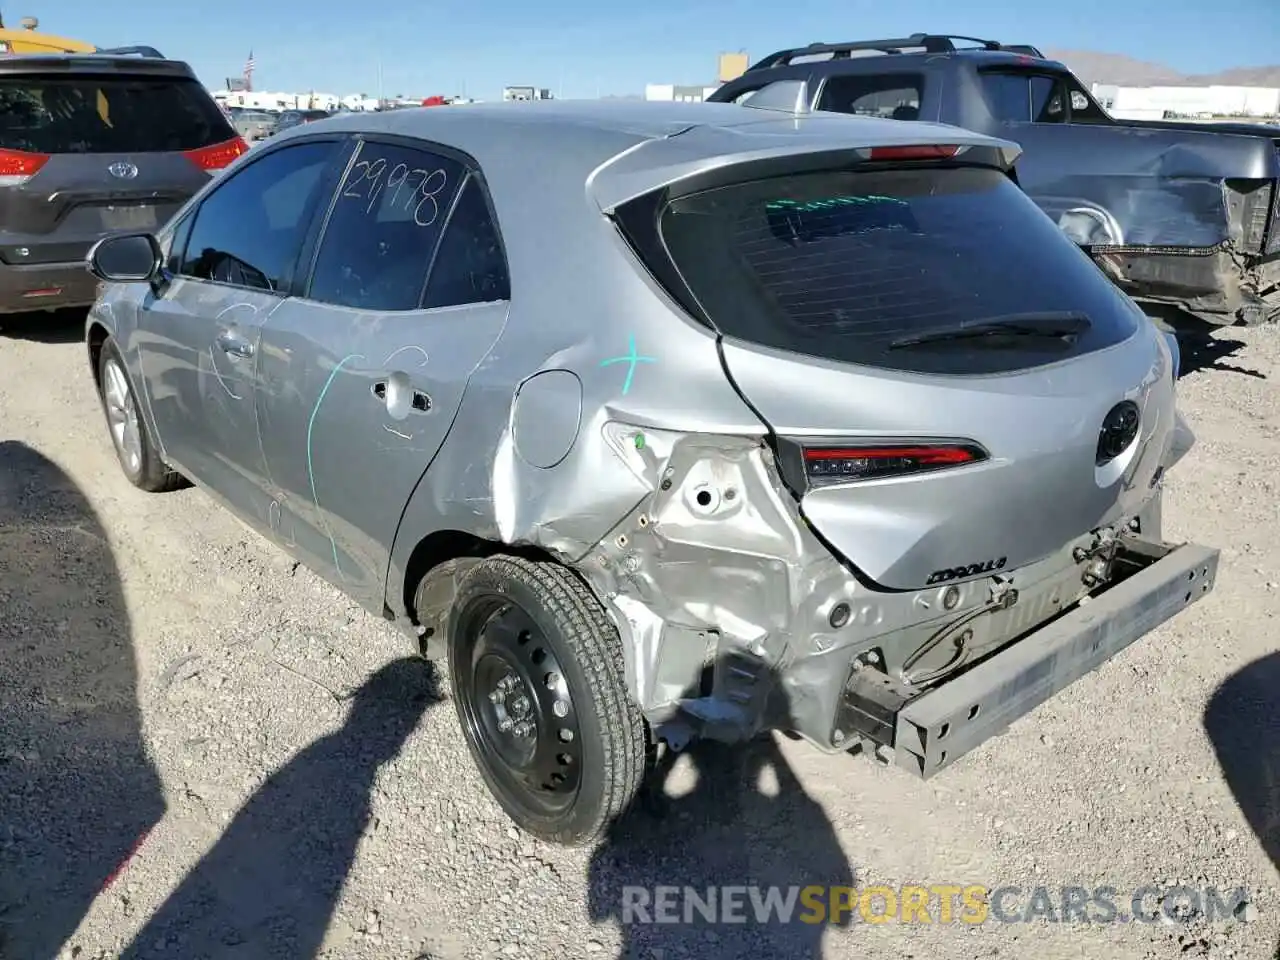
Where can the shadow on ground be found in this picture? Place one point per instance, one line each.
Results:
(77, 790)
(1203, 346)
(746, 822)
(1209, 350)
(1243, 722)
(268, 886)
(45, 326)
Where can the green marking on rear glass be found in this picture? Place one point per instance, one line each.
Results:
(830, 203)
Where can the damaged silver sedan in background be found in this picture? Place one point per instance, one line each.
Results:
(666, 421)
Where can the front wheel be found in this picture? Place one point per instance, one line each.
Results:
(135, 450)
(537, 675)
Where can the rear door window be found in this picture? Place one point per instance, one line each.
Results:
(469, 266)
(382, 233)
(846, 265)
(1048, 100)
(108, 114)
(1008, 96)
(896, 96)
(1023, 97)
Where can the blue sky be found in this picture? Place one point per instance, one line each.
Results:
(579, 48)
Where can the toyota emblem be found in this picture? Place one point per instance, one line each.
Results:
(122, 170)
(1119, 429)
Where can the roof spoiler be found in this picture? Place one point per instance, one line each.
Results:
(1025, 49)
(916, 43)
(150, 53)
(792, 97)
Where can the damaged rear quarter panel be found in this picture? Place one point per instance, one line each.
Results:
(579, 305)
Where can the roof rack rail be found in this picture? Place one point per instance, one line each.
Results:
(1023, 48)
(137, 51)
(917, 42)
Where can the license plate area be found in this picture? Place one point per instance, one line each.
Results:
(133, 216)
(943, 724)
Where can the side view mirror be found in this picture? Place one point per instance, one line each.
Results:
(126, 258)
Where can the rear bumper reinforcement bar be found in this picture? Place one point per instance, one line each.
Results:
(933, 730)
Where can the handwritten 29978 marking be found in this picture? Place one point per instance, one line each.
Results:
(412, 187)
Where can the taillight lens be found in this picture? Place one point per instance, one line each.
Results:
(915, 151)
(18, 166)
(1273, 234)
(218, 155)
(806, 465)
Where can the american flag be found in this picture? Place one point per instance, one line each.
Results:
(248, 71)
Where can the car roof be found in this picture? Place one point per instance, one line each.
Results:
(619, 150)
(553, 167)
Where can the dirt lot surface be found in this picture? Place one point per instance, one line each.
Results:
(273, 777)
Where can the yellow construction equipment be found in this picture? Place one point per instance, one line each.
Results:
(25, 39)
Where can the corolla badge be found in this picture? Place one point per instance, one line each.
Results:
(123, 170)
(1119, 428)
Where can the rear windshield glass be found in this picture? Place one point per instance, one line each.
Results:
(108, 114)
(846, 265)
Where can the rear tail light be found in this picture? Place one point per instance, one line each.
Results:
(1273, 235)
(1249, 205)
(916, 151)
(18, 166)
(808, 465)
(218, 155)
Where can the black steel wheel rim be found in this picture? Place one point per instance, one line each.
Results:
(519, 711)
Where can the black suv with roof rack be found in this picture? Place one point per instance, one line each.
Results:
(1185, 215)
(91, 144)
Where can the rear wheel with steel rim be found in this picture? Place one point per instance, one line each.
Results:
(538, 684)
(129, 434)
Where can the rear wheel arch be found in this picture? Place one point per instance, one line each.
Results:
(435, 565)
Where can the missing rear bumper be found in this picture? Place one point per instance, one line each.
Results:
(931, 731)
(1216, 284)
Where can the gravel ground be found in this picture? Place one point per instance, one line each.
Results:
(280, 779)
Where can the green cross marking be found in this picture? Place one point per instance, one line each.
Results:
(632, 358)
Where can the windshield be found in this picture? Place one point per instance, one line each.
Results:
(843, 264)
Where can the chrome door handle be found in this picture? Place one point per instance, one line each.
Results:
(234, 345)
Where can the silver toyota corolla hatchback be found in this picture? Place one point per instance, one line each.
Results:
(663, 421)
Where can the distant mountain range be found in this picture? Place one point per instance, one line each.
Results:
(1125, 71)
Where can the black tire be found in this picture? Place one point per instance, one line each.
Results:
(536, 622)
(146, 470)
